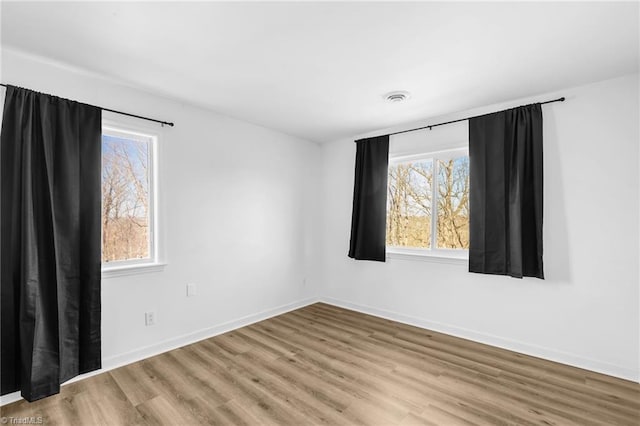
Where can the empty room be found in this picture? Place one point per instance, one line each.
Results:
(305, 213)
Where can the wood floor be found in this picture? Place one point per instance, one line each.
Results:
(326, 365)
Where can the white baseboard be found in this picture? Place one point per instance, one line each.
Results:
(186, 339)
(512, 345)
(177, 342)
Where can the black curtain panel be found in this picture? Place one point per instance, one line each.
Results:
(368, 221)
(505, 229)
(49, 242)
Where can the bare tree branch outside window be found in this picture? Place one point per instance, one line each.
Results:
(409, 203)
(125, 199)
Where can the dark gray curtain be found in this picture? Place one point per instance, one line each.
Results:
(49, 242)
(368, 221)
(505, 225)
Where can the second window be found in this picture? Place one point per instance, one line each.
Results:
(428, 203)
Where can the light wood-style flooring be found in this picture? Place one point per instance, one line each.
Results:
(326, 365)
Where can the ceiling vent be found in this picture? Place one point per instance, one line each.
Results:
(396, 96)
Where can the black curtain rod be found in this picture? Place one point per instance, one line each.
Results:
(122, 113)
(562, 99)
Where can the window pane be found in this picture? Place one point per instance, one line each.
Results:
(409, 204)
(125, 198)
(453, 203)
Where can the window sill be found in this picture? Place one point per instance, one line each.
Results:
(123, 270)
(410, 255)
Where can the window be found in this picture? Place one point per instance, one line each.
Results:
(128, 199)
(428, 204)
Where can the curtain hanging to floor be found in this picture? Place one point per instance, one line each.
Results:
(50, 242)
(505, 224)
(369, 216)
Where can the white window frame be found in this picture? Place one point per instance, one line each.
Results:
(154, 263)
(433, 253)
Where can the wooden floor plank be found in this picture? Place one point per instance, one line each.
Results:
(324, 365)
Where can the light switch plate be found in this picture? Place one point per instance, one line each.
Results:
(192, 289)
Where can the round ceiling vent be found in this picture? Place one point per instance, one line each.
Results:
(397, 96)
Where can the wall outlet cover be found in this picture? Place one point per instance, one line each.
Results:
(149, 318)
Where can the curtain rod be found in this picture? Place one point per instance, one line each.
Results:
(121, 112)
(562, 99)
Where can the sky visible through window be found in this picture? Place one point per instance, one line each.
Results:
(125, 198)
(411, 189)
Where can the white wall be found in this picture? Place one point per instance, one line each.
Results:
(238, 216)
(249, 213)
(586, 311)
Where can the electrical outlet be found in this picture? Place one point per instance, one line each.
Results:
(192, 289)
(149, 318)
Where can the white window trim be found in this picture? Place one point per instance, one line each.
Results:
(155, 262)
(432, 254)
(123, 270)
(402, 253)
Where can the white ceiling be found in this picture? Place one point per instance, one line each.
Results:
(319, 70)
